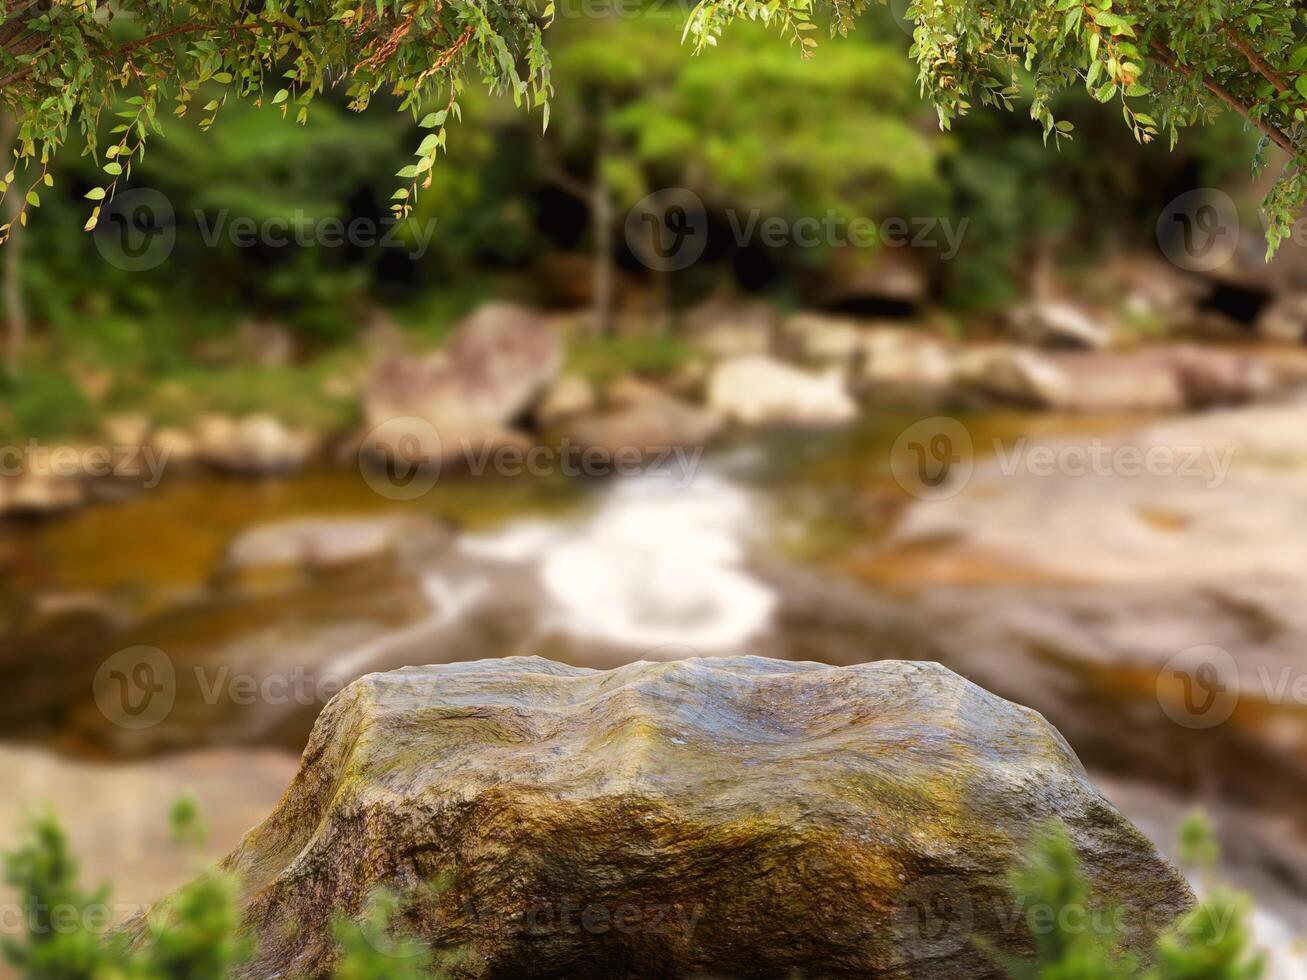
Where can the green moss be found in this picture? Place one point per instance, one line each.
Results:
(605, 358)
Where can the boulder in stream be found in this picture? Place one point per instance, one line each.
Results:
(760, 390)
(730, 817)
(495, 364)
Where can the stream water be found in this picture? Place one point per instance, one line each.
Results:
(764, 551)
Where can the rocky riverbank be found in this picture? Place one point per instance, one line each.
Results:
(503, 392)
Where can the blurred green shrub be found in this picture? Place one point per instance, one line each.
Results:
(1212, 942)
(194, 936)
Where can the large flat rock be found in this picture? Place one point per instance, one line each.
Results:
(733, 816)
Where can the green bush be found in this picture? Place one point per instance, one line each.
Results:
(1211, 942)
(195, 935)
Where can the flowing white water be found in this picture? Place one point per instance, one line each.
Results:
(655, 565)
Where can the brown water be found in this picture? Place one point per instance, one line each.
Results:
(151, 558)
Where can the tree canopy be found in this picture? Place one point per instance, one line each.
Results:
(1168, 64)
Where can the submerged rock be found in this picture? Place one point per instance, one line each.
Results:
(741, 817)
(300, 545)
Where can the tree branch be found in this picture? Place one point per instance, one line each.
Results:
(1256, 60)
(1163, 56)
(125, 50)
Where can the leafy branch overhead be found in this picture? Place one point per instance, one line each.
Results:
(70, 65)
(1168, 64)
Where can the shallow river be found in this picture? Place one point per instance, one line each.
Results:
(776, 547)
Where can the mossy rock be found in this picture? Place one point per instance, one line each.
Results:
(735, 817)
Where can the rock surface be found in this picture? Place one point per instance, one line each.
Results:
(312, 544)
(649, 426)
(1165, 379)
(498, 360)
(1059, 324)
(758, 390)
(741, 817)
(254, 445)
(1074, 587)
(569, 396)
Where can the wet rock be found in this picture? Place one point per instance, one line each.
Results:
(715, 817)
(175, 447)
(724, 327)
(42, 493)
(1163, 379)
(824, 339)
(1073, 383)
(290, 549)
(627, 391)
(649, 426)
(1059, 324)
(1285, 319)
(1213, 377)
(905, 365)
(1196, 499)
(569, 396)
(761, 390)
(256, 445)
(493, 367)
(127, 431)
(1068, 576)
(1154, 294)
(249, 666)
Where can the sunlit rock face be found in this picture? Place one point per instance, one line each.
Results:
(720, 817)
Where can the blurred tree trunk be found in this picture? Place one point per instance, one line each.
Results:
(11, 283)
(601, 219)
